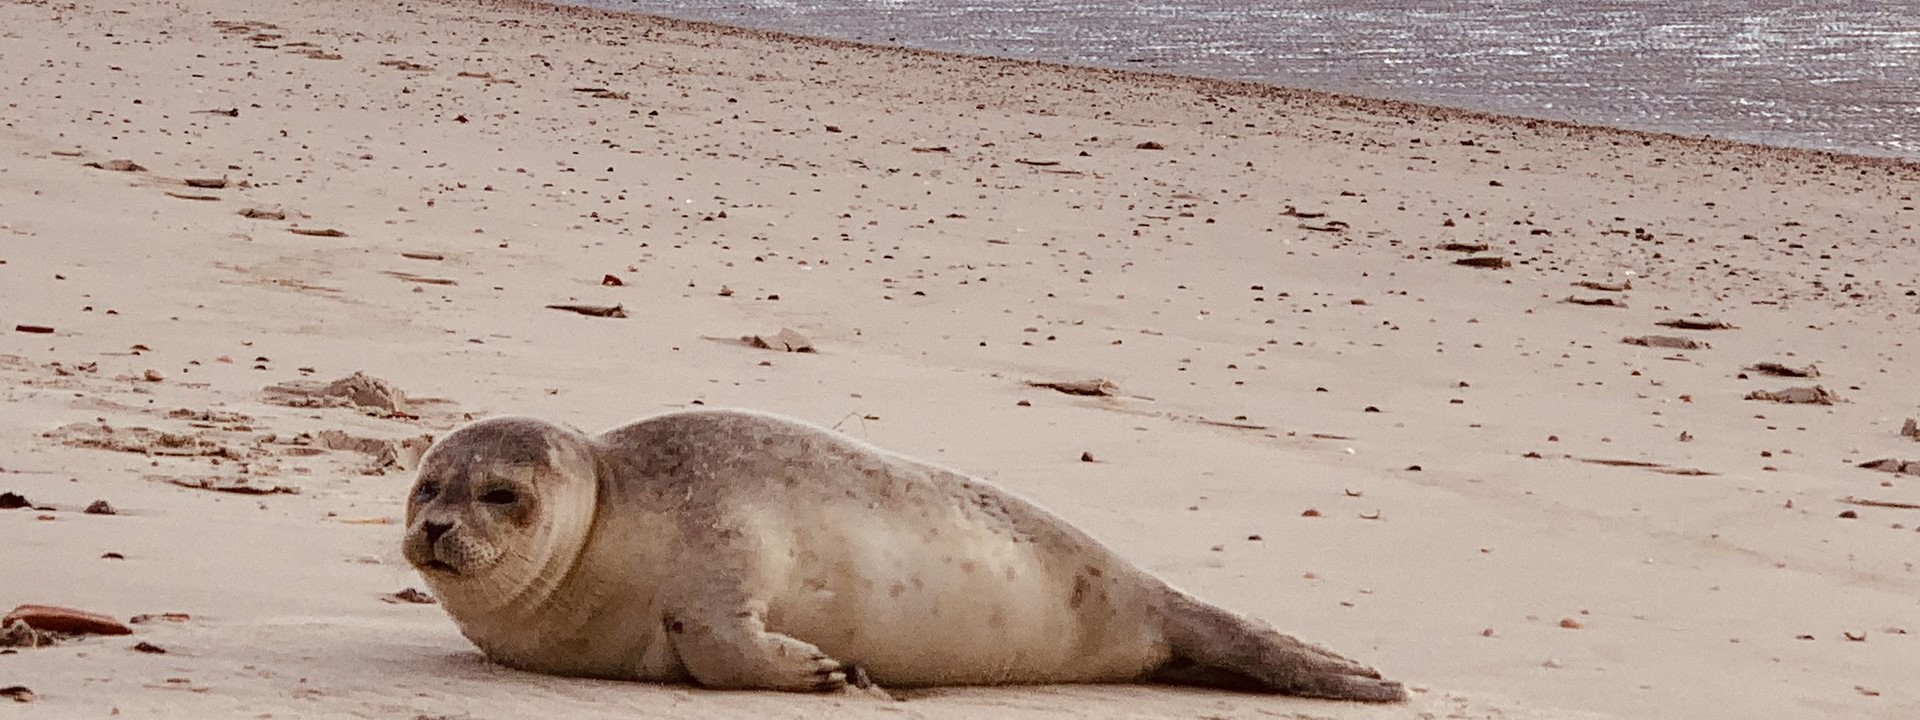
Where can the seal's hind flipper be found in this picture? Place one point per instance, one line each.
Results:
(1216, 648)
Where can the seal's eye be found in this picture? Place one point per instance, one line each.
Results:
(426, 491)
(499, 497)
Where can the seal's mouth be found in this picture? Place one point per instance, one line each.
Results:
(439, 566)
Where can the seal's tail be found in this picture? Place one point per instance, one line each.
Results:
(1214, 647)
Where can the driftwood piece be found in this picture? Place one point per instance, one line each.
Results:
(1621, 286)
(1596, 302)
(1816, 395)
(1666, 341)
(1894, 465)
(423, 279)
(1235, 424)
(1487, 261)
(65, 620)
(1096, 387)
(318, 232)
(605, 311)
(1778, 370)
(1696, 324)
(1645, 465)
(1865, 502)
(235, 485)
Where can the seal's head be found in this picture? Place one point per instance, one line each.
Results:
(500, 510)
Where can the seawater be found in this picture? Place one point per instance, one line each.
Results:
(1840, 75)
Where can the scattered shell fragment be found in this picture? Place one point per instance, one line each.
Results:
(413, 596)
(785, 341)
(1328, 226)
(118, 166)
(22, 635)
(150, 617)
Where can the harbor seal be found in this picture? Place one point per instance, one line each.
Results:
(742, 550)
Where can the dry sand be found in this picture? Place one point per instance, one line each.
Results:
(943, 230)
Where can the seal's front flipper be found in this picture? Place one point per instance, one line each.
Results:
(859, 683)
(1217, 648)
(731, 649)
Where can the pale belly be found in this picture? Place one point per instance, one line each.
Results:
(935, 599)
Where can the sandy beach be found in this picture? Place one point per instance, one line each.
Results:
(1464, 474)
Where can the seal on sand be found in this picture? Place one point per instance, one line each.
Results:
(742, 550)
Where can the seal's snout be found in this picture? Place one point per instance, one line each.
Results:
(433, 530)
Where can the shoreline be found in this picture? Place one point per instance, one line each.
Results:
(1245, 88)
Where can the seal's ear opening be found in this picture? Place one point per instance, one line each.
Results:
(572, 457)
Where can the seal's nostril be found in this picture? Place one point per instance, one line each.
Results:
(434, 530)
